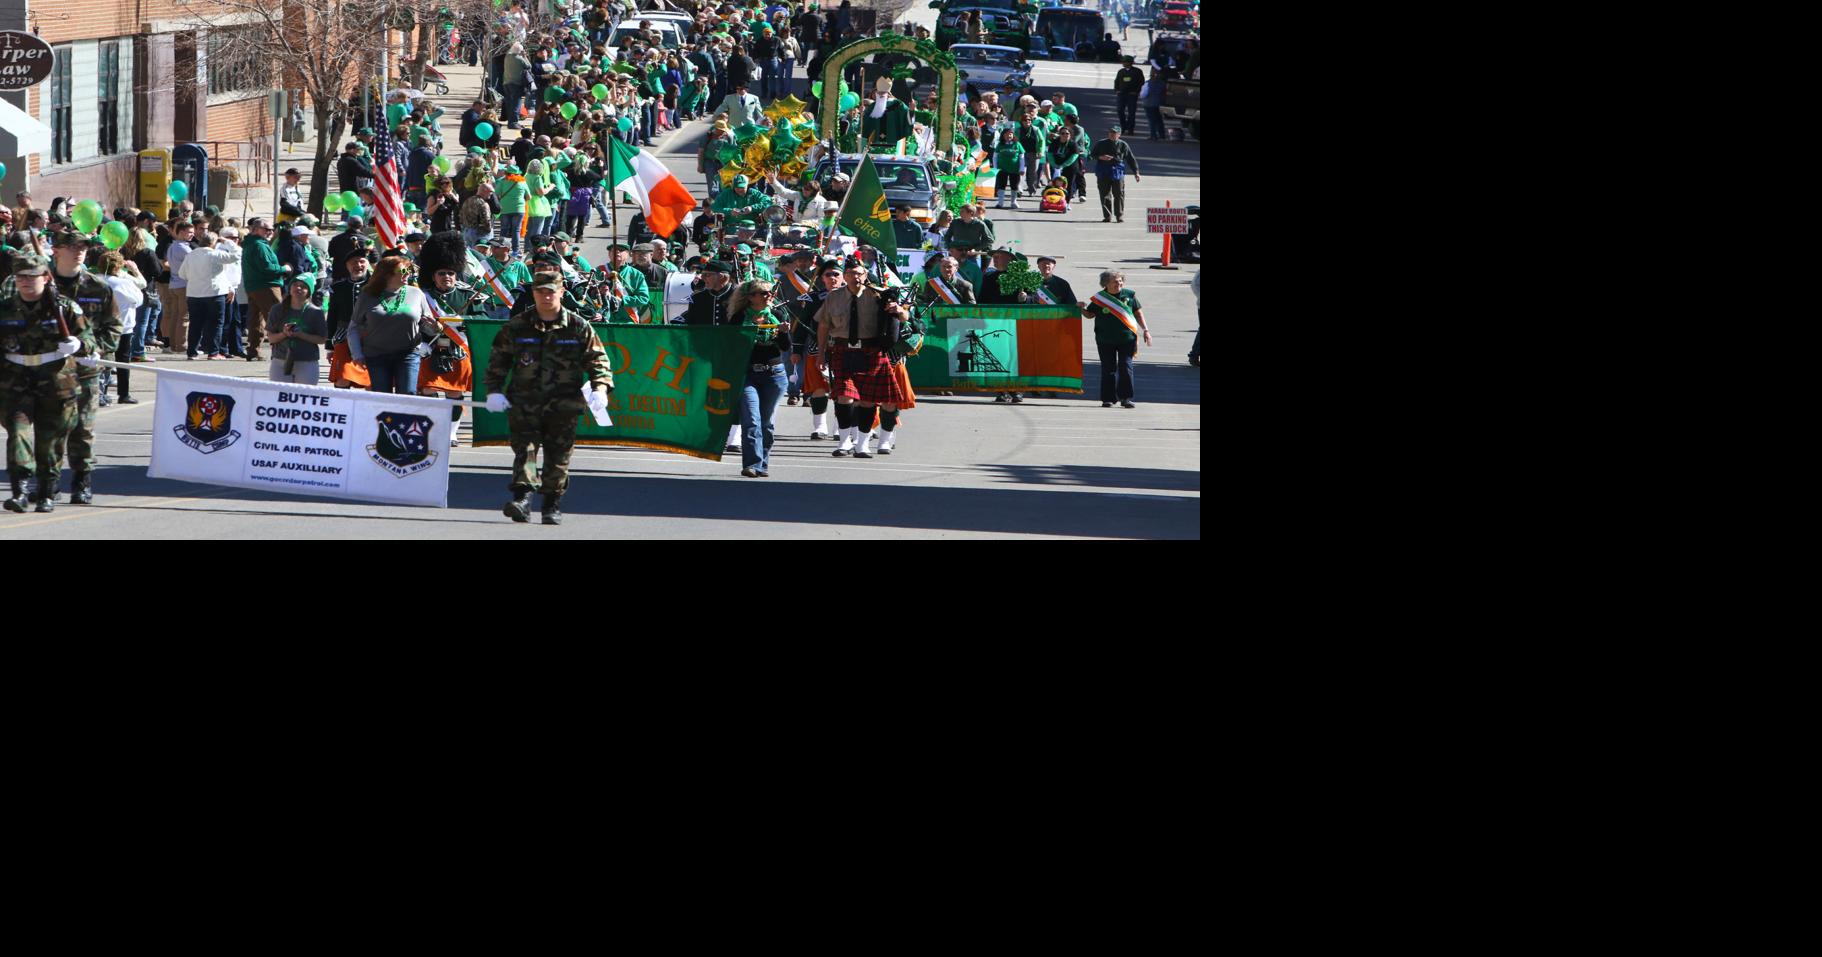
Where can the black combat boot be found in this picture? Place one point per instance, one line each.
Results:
(519, 509)
(19, 500)
(79, 490)
(552, 514)
(45, 504)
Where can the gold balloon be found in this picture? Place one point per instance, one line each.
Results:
(759, 151)
(793, 169)
(788, 108)
(729, 172)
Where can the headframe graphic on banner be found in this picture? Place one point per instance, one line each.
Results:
(337, 443)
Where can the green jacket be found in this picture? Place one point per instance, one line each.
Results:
(741, 209)
(511, 275)
(259, 265)
(638, 294)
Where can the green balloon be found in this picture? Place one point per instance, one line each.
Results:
(484, 131)
(179, 191)
(442, 164)
(355, 211)
(626, 124)
(849, 101)
(745, 132)
(333, 202)
(816, 89)
(86, 215)
(351, 199)
(114, 235)
(552, 94)
(2, 170)
(729, 153)
(600, 91)
(568, 110)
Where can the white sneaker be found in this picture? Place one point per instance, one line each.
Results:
(1015, 204)
(864, 450)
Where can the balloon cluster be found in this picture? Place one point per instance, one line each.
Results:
(784, 148)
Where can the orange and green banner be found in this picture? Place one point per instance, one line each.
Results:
(676, 388)
(999, 349)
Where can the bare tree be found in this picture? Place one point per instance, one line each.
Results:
(317, 47)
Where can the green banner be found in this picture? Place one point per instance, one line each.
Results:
(676, 388)
(864, 213)
(999, 349)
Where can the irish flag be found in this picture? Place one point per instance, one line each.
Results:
(639, 174)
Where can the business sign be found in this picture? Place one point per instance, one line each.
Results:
(1166, 220)
(25, 60)
(336, 443)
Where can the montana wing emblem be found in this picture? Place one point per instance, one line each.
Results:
(402, 444)
(208, 423)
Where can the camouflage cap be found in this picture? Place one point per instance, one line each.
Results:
(68, 237)
(31, 264)
(547, 280)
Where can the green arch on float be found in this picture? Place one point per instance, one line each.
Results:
(948, 89)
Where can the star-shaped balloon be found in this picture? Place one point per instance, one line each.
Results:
(785, 108)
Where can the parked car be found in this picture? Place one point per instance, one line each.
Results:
(1079, 31)
(670, 33)
(908, 182)
(992, 69)
(1004, 21)
(1177, 16)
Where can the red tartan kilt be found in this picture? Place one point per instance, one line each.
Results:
(866, 376)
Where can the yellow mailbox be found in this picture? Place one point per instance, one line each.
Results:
(155, 182)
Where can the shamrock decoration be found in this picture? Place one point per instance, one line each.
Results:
(892, 41)
(1020, 277)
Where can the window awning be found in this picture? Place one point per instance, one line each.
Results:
(29, 135)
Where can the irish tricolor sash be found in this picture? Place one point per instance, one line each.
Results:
(943, 291)
(1044, 296)
(802, 288)
(1118, 310)
(493, 281)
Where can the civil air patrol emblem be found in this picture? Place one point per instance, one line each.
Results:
(402, 445)
(208, 423)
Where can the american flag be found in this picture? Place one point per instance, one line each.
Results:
(388, 200)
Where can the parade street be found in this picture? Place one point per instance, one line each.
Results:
(964, 466)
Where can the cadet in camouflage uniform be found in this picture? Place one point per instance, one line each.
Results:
(549, 353)
(101, 334)
(39, 333)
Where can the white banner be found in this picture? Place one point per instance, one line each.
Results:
(910, 263)
(307, 440)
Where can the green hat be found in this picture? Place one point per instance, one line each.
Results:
(616, 247)
(31, 264)
(744, 250)
(717, 266)
(476, 151)
(561, 238)
(741, 181)
(364, 131)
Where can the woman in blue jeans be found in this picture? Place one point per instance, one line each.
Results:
(765, 385)
(388, 326)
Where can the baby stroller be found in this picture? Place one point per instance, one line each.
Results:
(1056, 198)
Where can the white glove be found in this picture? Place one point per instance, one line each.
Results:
(89, 362)
(498, 403)
(69, 347)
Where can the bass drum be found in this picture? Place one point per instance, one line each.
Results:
(677, 292)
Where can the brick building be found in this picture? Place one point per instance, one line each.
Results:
(115, 90)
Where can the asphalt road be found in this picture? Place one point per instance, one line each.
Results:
(965, 467)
